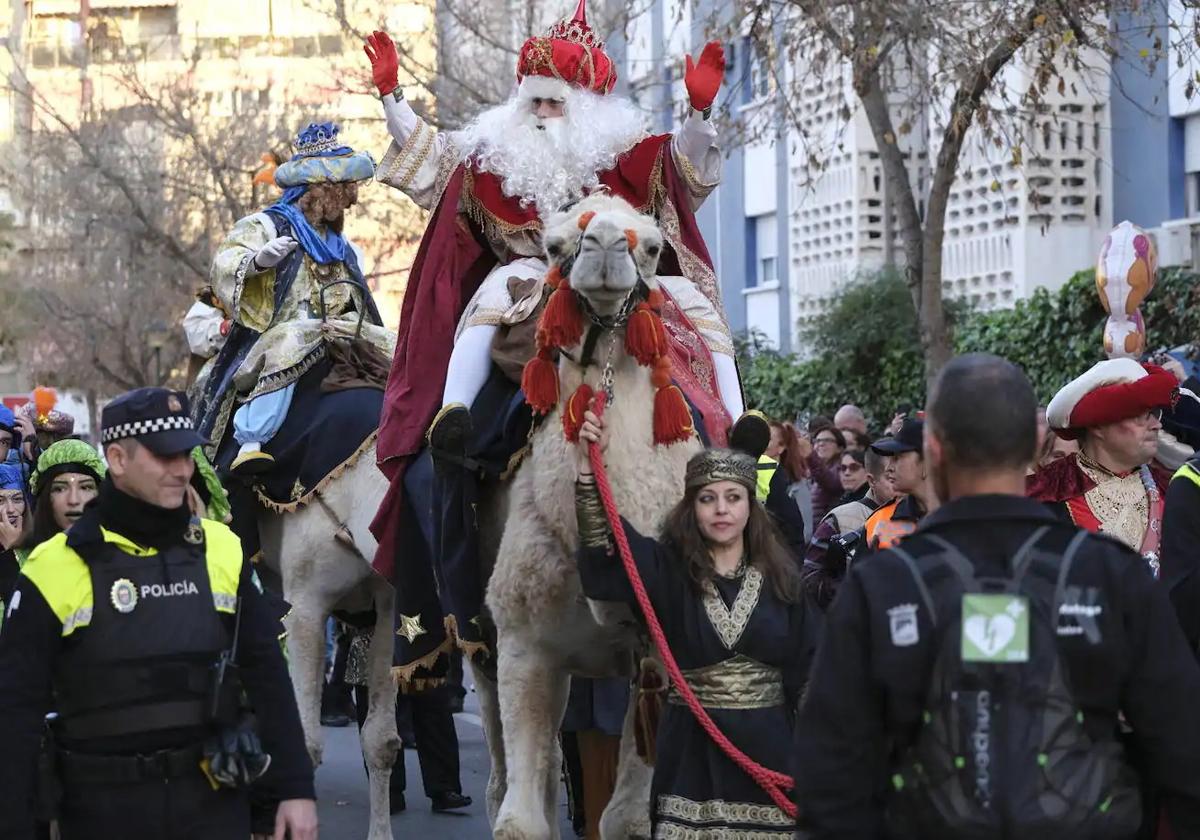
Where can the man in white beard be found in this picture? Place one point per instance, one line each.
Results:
(558, 138)
(470, 311)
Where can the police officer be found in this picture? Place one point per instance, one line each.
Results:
(121, 621)
(1181, 548)
(972, 680)
(892, 522)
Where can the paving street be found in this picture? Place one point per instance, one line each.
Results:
(342, 789)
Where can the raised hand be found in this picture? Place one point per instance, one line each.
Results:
(703, 78)
(271, 254)
(385, 62)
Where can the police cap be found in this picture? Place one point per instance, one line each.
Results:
(157, 418)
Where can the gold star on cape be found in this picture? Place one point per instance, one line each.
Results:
(410, 627)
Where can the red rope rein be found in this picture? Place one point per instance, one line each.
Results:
(772, 782)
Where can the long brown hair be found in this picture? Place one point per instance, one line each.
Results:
(765, 547)
(790, 459)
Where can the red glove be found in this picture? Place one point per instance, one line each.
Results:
(385, 62)
(703, 78)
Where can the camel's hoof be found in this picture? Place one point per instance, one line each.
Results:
(509, 827)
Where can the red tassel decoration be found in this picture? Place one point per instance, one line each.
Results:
(562, 322)
(661, 376)
(554, 277)
(672, 419)
(539, 381)
(577, 404)
(586, 219)
(655, 299)
(645, 338)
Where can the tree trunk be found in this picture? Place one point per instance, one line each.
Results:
(901, 197)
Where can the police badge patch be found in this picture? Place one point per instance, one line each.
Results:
(124, 595)
(194, 535)
(902, 621)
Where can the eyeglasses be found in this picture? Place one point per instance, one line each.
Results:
(849, 468)
(821, 440)
(1151, 415)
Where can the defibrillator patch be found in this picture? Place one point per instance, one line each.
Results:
(995, 628)
(124, 595)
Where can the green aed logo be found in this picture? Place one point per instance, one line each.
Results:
(995, 628)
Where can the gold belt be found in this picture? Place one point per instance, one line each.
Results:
(737, 683)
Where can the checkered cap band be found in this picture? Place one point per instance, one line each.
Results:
(137, 428)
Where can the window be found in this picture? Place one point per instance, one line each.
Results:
(766, 264)
(766, 270)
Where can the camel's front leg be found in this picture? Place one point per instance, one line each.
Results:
(533, 698)
(306, 654)
(380, 743)
(489, 713)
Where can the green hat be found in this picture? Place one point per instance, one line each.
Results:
(66, 456)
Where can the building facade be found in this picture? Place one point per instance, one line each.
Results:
(787, 236)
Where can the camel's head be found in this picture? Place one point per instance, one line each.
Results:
(604, 248)
(603, 256)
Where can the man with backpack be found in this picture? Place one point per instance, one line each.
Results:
(971, 682)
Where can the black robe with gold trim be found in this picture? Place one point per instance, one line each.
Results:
(745, 653)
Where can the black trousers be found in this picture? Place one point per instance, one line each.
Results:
(185, 808)
(437, 742)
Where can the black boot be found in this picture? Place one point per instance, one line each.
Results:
(333, 705)
(450, 430)
(449, 801)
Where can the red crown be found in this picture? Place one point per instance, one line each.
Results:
(572, 52)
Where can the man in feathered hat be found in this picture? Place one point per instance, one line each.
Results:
(1114, 411)
(273, 274)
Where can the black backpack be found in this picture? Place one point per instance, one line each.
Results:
(1001, 750)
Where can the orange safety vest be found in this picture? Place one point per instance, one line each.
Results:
(883, 530)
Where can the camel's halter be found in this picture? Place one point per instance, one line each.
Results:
(774, 783)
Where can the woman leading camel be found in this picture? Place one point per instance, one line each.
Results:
(728, 597)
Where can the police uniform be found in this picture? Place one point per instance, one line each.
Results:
(117, 625)
(1180, 555)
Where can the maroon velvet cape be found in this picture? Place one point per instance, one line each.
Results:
(451, 262)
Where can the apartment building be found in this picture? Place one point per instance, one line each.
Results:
(787, 236)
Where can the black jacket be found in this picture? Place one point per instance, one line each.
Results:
(866, 695)
(1180, 549)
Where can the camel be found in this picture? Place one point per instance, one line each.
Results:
(323, 553)
(546, 629)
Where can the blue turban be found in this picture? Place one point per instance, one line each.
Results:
(318, 160)
(8, 420)
(11, 477)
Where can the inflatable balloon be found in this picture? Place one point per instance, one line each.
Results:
(1125, 274)
(1125, 335)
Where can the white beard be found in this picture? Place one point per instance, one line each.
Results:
(553, 162)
